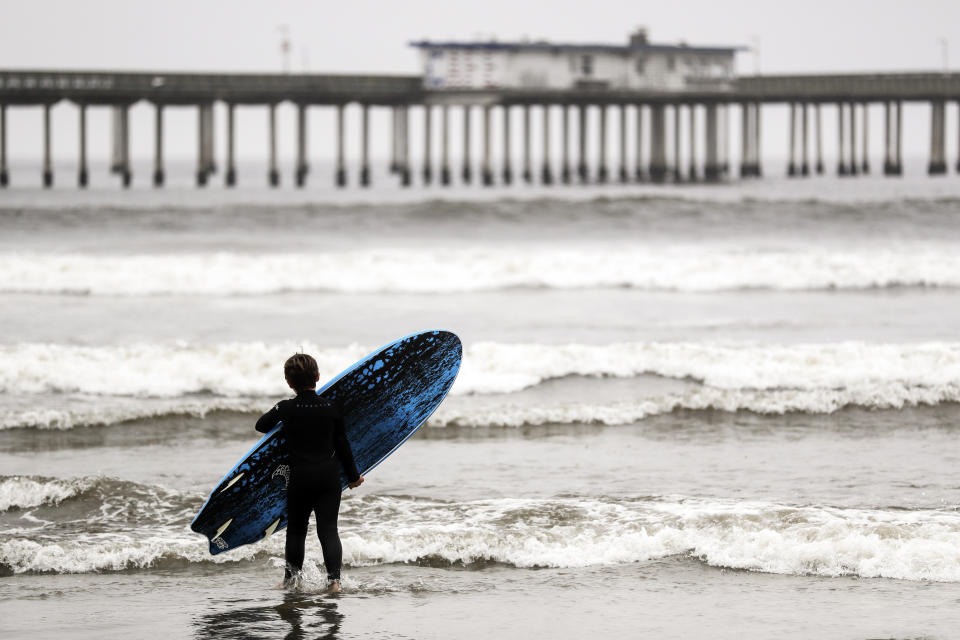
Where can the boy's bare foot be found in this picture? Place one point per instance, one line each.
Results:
(333, 586)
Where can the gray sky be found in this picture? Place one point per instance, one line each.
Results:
(371, 36)
(364, 36)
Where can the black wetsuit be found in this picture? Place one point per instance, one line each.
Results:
(318, 447)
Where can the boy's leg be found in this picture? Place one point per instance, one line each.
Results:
(327, 509)
(299, 506)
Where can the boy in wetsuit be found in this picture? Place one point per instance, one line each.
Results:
(318, 448)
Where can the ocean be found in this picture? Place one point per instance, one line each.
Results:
(717, 411)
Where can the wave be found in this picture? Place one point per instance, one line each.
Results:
(565, 532)
(91, 503)
(254, 368)
(21, 492)
(819, 401)
(111, 384)
(507, 415)
(116, 411)
(694, 268)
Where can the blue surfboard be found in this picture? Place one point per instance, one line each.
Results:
(384, 398)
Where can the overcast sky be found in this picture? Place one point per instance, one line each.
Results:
(371, 36)
(364, 36)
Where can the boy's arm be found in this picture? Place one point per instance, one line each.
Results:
(344, 453)
(269, 420)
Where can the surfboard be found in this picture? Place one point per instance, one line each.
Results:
(384, 398)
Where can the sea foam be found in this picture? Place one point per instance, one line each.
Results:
(572, 532)
(151, 380)
(467, 269)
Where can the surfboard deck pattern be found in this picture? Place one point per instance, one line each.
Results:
(384, 397)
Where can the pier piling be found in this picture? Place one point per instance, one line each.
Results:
(638, 159)
(121, 144)
(842, 140)
(865, 159)
(273, 175)
(565, 145)
(466, 173)
(725, 140)
(757, 146)
(745, 135)
(938, 160)
(602, 171)
(230, 176)
(427, 143)
(804, 141)
(395, 140)
(444, 144)
(677, 171)
(623, 174)
(302, 167)
(527, 167)
(365, 145)
(405, 174)
(582, 171)
(158, 172)
(4, 172)
(201, 148)
(898, 148)
(791, 165)
(712, 170)
(854, 169)
(47, 161)
(507, 169)
(487, 166)
(819, 140)
(83, 174)
(546, 174)
(341, 171)
(692, 168)
(887, 139)
(658, 144)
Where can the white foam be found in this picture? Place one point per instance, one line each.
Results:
(18, 492)
(683, 268)
(115, 382)
(775, 402)
(767, 537)
(115, 552)
(117, 410)
(254, 368)
(568, 532)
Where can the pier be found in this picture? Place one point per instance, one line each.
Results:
(664, 123)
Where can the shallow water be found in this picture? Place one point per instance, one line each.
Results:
(726, 411)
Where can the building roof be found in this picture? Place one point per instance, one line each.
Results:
(561, 47)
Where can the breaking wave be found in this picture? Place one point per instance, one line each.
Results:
(107, 385)
(467, 269)
(525, 533)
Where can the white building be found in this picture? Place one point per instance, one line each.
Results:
(637, 65)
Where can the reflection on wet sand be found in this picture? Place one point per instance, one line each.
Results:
(297, 616)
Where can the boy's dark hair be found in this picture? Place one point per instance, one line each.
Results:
(301, 371)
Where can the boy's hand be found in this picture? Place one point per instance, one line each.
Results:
(356, 483)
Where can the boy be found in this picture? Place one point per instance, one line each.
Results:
(316, 441)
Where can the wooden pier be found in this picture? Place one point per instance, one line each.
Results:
(808, 96)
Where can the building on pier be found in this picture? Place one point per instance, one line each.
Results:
(638, 65)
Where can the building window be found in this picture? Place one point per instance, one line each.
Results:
(586, 65)
(640, 64)
(671, 63)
